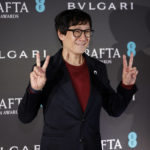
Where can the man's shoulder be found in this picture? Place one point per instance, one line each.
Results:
(94, 62)
(55, 64)
(54, 59)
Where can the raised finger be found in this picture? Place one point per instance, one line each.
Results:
(131, 60)
(46, 63)
(124, 62)
(38, 62)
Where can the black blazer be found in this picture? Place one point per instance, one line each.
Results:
(66, 127)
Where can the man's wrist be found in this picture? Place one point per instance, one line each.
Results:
(33, 91)
(127, 86)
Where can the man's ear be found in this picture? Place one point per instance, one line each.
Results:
(60, 35)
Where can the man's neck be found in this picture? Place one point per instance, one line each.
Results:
(73, 59)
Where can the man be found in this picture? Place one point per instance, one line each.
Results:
(73, 87)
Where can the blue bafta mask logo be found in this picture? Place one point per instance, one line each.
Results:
(132, 139)
(40, 7)
(131, 48)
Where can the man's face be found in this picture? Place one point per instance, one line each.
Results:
(76, 45)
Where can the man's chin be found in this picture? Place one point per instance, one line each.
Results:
(81, 51)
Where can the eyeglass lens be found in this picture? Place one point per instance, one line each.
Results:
(77, 33)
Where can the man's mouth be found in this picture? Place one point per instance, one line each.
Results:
(81, 44)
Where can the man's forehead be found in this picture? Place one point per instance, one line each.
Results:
(81, 26)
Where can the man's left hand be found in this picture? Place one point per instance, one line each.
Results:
(129, 73)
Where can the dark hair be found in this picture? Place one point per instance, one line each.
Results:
(73, 17)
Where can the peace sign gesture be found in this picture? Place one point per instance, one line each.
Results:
(38, 75)
(129, 73)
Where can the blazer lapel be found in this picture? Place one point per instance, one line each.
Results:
(92, 78)
(71, 103)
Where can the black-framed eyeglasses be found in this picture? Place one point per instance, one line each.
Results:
(78, 32)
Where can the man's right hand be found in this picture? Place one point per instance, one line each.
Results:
(38, 75)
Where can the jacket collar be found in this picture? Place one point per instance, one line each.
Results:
(58, 60)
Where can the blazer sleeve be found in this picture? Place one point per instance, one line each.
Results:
(29, 106)
(114, 102)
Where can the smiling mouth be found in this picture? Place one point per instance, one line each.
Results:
(81, 44)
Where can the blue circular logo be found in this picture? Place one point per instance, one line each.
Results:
(132, 142)
(40, 7)
(131, 48)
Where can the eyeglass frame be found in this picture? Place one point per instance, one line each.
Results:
(73, 30)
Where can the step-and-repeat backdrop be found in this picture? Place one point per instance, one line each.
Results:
(27, 26)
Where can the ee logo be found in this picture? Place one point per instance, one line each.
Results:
(132, 139)
(40, 7)
(131, 48)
